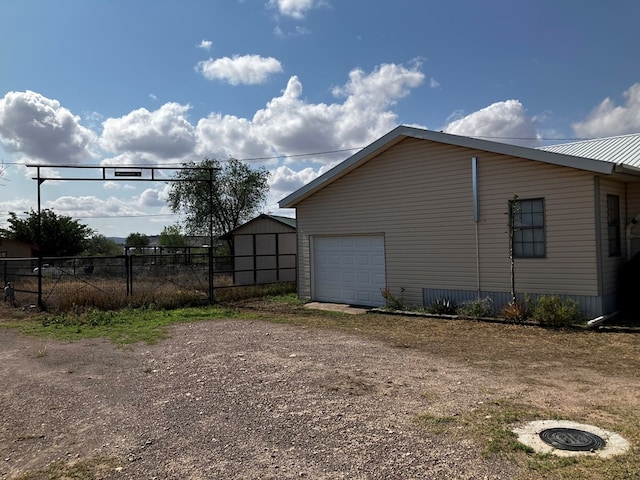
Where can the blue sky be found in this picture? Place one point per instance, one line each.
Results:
(279, 83)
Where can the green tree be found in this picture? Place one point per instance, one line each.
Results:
(237, 194)
(137, 240)
(100, 245)
(172, 237)
(60, 235)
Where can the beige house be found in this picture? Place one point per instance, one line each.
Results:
(425, 214)
(264, 250)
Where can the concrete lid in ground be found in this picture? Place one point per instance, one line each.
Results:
(529, 435)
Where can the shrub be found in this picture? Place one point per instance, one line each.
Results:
(515, 312)
(482, 307)
(442, 306)
(391, 301)
(556, 311)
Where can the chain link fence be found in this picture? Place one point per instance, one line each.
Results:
(167, 279)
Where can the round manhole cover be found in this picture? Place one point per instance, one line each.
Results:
(571, 439)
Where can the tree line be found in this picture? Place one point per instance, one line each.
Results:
(204, 195)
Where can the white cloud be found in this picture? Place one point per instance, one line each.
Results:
(224, 136)
(284, 180)
(296, 32)
(285, 128)
(433, 83)
(151, 198)
(92, 207)
(82, 207)
(162, 134)
(205, 44)
(502, 121)
(607, 119)
(39, 129)
(294, 8)
(290, 126)
(16, 205)
(246, 69)
(287, 125)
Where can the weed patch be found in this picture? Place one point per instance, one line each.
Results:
(125, 326)
(89, 469)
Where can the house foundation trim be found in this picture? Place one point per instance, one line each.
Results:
(590, 306)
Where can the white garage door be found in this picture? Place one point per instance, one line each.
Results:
(349, 269)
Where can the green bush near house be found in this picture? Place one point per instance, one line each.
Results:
(482, 307)
(393, 302)
(442, 306)
(556, 311)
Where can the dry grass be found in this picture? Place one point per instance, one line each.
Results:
(75, 294)
(543, 373)
(524, 372)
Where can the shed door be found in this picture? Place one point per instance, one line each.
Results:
(349, 269)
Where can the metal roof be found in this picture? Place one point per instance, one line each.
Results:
(288, 221)
(621, 150)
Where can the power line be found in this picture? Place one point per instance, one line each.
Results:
(325, 152)
(81, 217)
(176, 163)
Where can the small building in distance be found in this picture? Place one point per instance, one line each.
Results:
(264, 250)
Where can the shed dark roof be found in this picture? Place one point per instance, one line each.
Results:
(290, 222)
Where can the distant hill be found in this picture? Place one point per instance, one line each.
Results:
(153, 240)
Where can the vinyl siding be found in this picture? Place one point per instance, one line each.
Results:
(418, 194)
(570, 263)
(610, 266)
(633, 209)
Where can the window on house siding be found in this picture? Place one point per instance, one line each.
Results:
(613, 222)
(528, 222)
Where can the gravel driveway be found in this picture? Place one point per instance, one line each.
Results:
(235, 400)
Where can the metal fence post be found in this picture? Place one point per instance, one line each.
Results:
(127, 267)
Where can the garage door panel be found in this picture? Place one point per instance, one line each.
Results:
(349, 278)
(349, 296)
(363, 278)
(364, 298)
(377, 260)
(363, 259)
(349, 269)
(347, 260)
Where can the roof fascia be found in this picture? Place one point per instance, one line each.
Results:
(263, 216)
(628, 170)
(286, 221)
(400, 133)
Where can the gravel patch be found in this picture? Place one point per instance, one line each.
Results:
(237, 400)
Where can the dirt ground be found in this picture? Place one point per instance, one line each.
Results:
(243, 399)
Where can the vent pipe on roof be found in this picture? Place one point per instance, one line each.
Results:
(628, 234)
